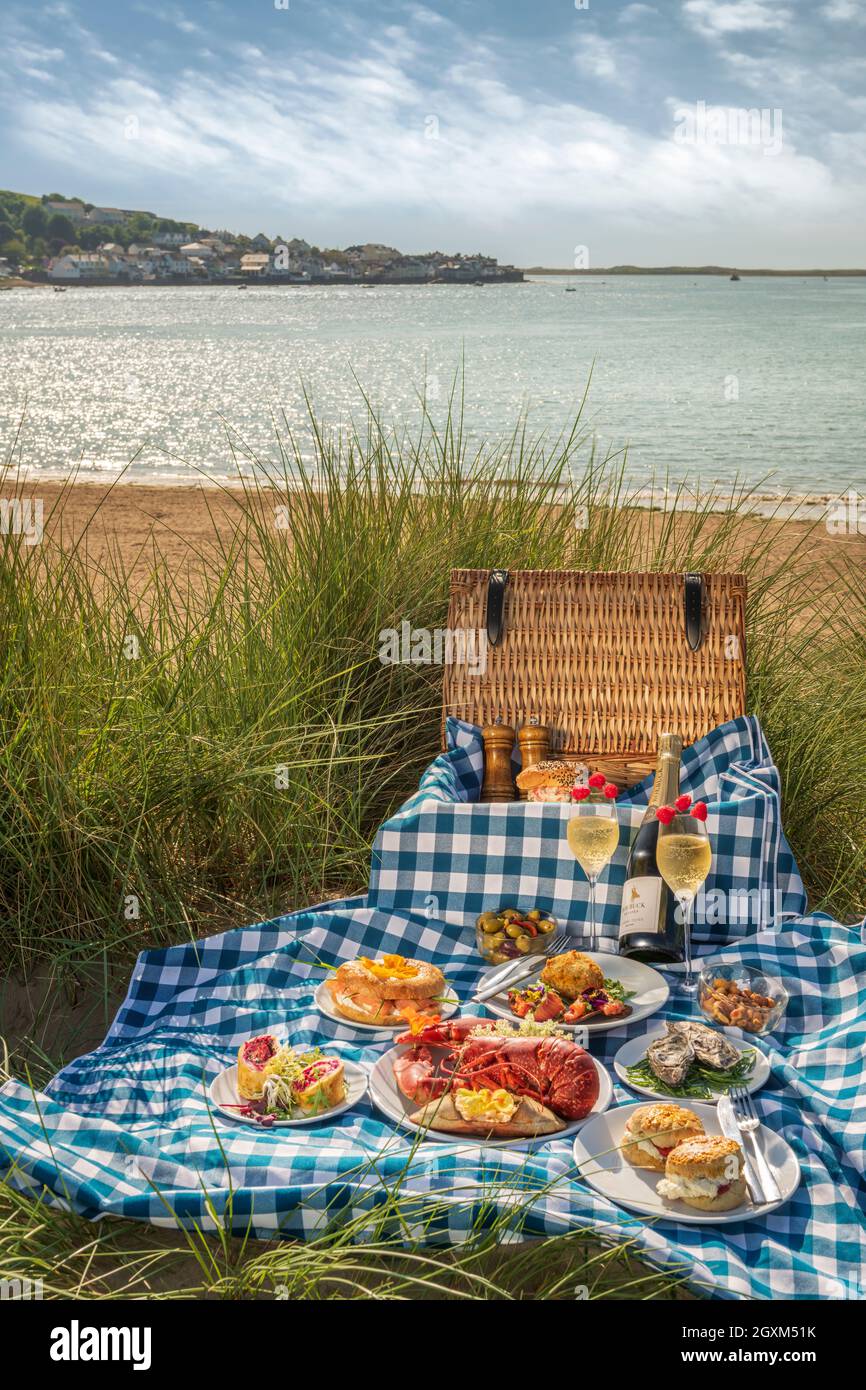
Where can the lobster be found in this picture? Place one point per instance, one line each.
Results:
(554, 1071)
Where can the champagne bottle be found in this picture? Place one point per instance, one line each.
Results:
(648, 926)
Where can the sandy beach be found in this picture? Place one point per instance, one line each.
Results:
(184, 525)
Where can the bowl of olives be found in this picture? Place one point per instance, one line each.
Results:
(510, 933)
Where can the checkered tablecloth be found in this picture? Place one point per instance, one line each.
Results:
(127, 1130)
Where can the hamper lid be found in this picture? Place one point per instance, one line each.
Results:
(603, 658)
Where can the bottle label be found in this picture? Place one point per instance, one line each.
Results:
(641, 900)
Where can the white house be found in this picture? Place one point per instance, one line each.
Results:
(74, 210)
(255, 263)
(106, 216)
(197, 250)
(65, 268)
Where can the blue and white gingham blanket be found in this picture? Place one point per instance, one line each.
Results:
(126, 1130)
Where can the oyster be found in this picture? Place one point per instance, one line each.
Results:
(708, 1045)
(670, 1058)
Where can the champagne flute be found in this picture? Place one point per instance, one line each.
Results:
(684, 858)
(593, 835)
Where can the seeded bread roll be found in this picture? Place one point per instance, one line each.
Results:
(553, 772)
(652, 1131)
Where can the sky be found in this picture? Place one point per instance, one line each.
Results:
(559, 133)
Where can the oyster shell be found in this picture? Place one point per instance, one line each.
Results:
(670, 1058)
(708, 1045)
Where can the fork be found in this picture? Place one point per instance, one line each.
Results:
(748, 1124)
(517, 970)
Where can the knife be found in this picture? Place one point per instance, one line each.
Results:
(731, 1130)
(506, 979)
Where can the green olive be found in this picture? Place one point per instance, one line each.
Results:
(510, 914)
(534, 915)
(497, 940)
(513, 931)
(488, 921)
(523, 943)
(546, 925)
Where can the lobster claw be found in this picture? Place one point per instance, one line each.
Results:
(445, 1033)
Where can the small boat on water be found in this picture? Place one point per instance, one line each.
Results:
(735, 276)
(59, 289)
(570, 289)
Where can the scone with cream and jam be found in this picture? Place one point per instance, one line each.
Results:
(652, 1131)
(705, 1172)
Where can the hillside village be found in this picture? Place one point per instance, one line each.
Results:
(67, 241)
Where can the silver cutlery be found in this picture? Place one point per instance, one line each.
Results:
(746, 1118)
(731, 1130)
(516, 970)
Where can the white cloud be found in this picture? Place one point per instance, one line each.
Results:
(636, 11)
(352, 135)
(845, 11)
(737, 16)
(598, 58)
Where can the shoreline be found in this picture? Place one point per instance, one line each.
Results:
(240, 282)
(782, 504)
(185, 525)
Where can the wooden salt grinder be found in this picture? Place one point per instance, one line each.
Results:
(498, 743)
(534, 740)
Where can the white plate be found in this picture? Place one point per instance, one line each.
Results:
(325, 1004)
(388, 1098)
(632, 1051)
(223, 1093)
(597, 1155)
(650, 993)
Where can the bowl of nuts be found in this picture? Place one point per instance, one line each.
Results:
(737, 996)
(510, 933)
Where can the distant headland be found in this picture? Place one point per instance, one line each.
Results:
(728, 270)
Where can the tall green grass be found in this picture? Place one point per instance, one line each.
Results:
(208, 754)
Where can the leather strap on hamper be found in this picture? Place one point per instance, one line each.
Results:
(694, 593)
(496, 586)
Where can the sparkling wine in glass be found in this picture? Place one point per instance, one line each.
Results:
(684, 858)
(593, 835)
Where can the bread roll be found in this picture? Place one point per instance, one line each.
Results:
(652, 1131)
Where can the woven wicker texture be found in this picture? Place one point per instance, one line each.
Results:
(603, 659)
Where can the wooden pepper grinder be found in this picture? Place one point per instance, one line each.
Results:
(534, 740)
(498, 743)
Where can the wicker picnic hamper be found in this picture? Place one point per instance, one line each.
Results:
(607, 660)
